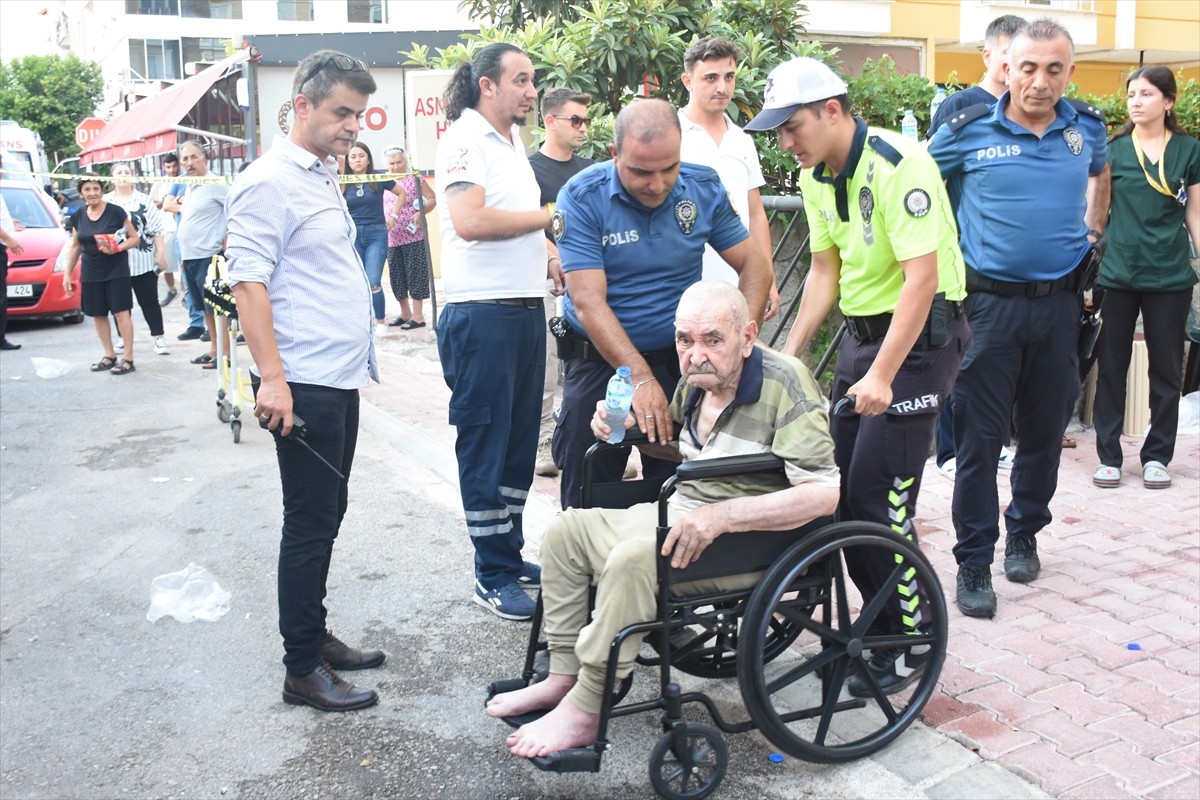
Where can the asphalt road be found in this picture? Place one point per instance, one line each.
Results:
(107, 482)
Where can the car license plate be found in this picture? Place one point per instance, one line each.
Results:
(20, 290)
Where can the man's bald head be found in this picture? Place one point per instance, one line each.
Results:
(713, 336)
(646, 121)
(724, 301)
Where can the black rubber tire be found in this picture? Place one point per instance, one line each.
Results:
(73, 319)
(236, 427)
(223, 411)
(672, 780)
(829, 653)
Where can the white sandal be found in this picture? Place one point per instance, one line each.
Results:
(1155, 475)
(1107, 477)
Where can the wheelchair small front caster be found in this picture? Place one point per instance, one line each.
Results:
(694, 773)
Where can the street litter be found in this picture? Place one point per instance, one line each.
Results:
(47, 368)
(187, 595)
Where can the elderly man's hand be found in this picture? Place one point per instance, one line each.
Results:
(600, 426)
(693, 533)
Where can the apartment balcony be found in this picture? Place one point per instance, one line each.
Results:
(1079, 17)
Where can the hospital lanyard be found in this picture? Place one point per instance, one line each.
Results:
(1160, 185)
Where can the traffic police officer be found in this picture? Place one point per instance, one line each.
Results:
(631, 235)
(1032, 179)
(883, 236)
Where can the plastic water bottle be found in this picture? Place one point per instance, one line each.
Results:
(939, 97)
(617, 402)
(908, 125)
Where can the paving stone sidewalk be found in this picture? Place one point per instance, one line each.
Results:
(1086, 683)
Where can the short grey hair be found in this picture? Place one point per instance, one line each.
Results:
(645, 121)
(1045, 29)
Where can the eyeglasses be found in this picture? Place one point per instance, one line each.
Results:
(343, 62)
(575, 120)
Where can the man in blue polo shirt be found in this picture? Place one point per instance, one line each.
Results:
(1033, 185)
(631, 235)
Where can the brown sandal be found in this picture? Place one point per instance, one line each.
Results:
(124, 369)
(106, 363)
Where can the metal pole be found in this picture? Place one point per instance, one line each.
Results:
(250, 117)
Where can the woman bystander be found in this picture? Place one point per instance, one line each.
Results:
(103, 232)
(365, 202)
(1155, 208)
(149, 257)
(407, 257)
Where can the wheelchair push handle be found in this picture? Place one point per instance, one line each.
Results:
(844, 407)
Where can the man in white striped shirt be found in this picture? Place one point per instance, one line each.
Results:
(305, 307)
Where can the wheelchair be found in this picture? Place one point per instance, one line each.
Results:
(792, 641)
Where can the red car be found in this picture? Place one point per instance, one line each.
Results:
(34, 277)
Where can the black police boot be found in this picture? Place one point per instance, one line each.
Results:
(1021, 562)
(974, 593)
(893, 667)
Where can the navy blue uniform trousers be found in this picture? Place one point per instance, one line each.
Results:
(882, 458)
(494, 361)
(1023, 368)
(584, 384)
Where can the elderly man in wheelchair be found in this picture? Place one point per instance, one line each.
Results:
(740, 399)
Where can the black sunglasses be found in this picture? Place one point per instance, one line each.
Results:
(575, 120)
(342, 62)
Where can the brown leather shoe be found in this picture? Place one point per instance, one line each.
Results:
(340, 655)
(324, 690)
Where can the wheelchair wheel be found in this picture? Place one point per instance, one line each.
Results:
(692, 774)
(801, 702)
(713, 654)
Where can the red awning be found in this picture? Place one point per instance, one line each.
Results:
(148, 128)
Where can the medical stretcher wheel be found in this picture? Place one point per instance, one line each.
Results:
(800, 701)
(693, 770)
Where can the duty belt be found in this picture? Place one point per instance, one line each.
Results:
(1070, 282)
(576, 347)
(869, 329)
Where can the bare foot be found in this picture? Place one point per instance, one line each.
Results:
(561, 729)
(539, 696)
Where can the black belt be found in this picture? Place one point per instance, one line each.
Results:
(868, 329)
(524, 302)
(981, 283)
(575, 347)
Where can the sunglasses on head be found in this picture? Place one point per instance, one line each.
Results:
(342, 62)
(575, 120)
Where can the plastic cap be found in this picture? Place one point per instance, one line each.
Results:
(792, 84)
(775, 758)
(624, 371)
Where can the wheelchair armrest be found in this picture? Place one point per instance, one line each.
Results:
(728, 466)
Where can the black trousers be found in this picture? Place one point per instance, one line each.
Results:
(882, 458)
(314, 503)
(1022, 369)
(584, 385)
(145, 290)
(4, 294)
(1164, 316)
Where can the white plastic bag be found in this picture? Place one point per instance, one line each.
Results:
(187, 595)
(1189, 413)
(47, 368)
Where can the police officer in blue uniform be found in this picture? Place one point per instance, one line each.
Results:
(1032, 177)
(631, 235)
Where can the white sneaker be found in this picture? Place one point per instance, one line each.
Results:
(1008, 457)
(160, 346)
(949, 468)
(119, 346)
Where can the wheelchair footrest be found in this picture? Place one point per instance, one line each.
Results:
(513, 685)
(578, 759)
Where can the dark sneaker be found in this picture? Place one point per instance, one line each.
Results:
(204, 337)
(973, 592)
(191, 333)
(506, 602)
(531, 576)
(893, 667)
(1021, 562)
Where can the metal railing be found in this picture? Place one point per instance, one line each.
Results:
(792, 256)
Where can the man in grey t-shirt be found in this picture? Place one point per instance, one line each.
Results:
(201, 234)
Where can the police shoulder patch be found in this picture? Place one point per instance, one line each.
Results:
(967, 115)
(917, 203)
(1084, 107)
(557, 226)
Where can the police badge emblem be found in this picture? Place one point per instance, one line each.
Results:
(557, 226)
(685, 215)
(1074, 140)
(917, 203)
(866, 207)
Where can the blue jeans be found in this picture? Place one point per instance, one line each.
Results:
(314, 503)
(195, 272)
(372, 244)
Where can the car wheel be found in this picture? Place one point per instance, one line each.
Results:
(73, 319)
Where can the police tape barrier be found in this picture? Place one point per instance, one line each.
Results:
(185, 179)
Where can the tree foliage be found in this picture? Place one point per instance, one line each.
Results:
(51, 95)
